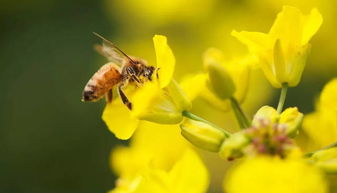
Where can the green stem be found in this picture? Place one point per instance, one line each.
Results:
(197, 118)
(283, 96)
(239, 114)
(324, 148)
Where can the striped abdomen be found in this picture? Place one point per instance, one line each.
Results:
(101, 82)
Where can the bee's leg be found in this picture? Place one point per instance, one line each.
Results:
(157, 74)
(125, 99)
(108, 96)
(136, 79)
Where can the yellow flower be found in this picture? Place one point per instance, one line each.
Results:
(270, 174)
(237, 74)
(321, 125)
(158, 161)
(283, 51)
(161, 100)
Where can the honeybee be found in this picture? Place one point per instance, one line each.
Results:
(120, 71)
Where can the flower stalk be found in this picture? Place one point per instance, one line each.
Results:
(283, 96)
(239, 114)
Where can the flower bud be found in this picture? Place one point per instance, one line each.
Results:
(265, 113)
(202, 135)
(326, 159)
(292, 118)
(220, 81)
(233, 146)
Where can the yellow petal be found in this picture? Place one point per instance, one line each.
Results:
(288, 28)
(326, 133)
(164, 106)
(255, 41)
(279, 63)
(165, 60)
(127, 162)
(329, 95)
(119, 120)
(188, 85)
(271, 175)
(153, 181)
(312, 23)
(155, 142)
(189, 174)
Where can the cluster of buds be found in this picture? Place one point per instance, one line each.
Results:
(269, 138)
(270, 134)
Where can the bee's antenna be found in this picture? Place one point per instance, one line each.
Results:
(111, 44)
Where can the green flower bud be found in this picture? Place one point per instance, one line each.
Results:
(265, 113)
(220, 81)
(233, 146)
(290, 118)
(202, 135)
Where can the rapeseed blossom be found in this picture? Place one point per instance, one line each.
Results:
(160, 100)
(283, 51)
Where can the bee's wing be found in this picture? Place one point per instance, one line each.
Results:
(112, 52)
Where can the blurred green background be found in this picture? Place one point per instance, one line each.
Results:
(49, 140)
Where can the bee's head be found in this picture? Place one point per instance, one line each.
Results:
(148, 71)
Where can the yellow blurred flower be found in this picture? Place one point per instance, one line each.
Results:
(329, 95)
(284, 50)
(326, 159)
(161, 100)
(321, 125)
(270, 174)
(162, 12)
(158, 160)
(237, 72)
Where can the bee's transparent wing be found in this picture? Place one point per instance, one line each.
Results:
(112, 52)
